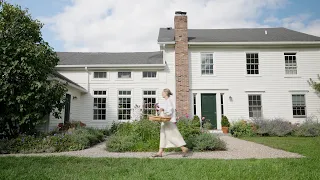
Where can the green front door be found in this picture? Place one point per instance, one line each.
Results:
(209, 109)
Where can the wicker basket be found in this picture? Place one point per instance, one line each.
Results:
(159, 118)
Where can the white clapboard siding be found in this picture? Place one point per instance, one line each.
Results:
(275, 87)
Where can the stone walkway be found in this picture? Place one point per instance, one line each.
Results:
(236, 149)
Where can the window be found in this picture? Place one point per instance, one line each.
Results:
(99, 75)
(149, 100)
(255, 107)
(290, 63)
(149, 92)
(252, 63)
(194, 104)
(207, 63)
(124, 75)
(99, 105)
(150, 74)
(298, 105)
(222, 110)
(124, 105)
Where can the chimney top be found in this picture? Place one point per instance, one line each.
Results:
(180, 13)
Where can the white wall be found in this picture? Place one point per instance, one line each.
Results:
(272, 83)
(75, 109)
(165, 79)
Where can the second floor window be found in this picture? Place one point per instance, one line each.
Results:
(207, 64)
(97, 75)
(252, 63)
(124, 75)
(149, 74)
(290, 63)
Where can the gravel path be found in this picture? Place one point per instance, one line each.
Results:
(236, 149)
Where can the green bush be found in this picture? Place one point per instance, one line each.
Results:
(77, 139)
(274, 127)
(242, 128)
(206, 142)
(307, 129)
(144, 135)
(225, 122)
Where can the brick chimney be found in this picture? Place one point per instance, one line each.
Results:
(182, 63)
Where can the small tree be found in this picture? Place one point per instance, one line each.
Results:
(26, 61)
(315, 85)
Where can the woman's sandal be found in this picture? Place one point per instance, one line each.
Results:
(156, 155)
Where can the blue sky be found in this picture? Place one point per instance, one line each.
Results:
(99, 15)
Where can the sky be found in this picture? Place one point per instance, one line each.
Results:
(133, 25)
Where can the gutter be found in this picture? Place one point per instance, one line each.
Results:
(250, 43)
(86, 69)
(125, 66)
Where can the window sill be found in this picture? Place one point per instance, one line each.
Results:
(100, 79)
(299, 117)
(125, 79)
(208, 75)
(253, 75)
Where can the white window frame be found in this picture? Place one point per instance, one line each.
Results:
(150, 77)
(213, 64)
(93, 107)
(285, 65)
(99, 79)
(148, 96)
(255, 94)
(131, 107)
(305, 105)
(131, 75)
(259, 72)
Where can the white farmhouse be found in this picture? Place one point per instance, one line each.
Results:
(240, 73)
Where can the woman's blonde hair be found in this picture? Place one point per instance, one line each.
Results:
(168, 92)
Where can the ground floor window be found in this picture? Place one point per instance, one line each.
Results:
(149, 100)
(99, 105)
(255, 106)
(222, 108)
(194, 104)
(298, 105)
(124, 105)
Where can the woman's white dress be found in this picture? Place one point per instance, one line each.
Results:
(169, 134)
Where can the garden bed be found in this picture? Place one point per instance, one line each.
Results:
(144, 136)
(74, 139)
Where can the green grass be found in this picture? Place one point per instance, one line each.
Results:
(108, 168)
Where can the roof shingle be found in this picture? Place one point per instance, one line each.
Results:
(239, 35)
(90, 58)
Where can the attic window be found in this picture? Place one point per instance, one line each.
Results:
(98, 75)
(124, 75)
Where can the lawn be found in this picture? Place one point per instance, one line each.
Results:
(108, 168)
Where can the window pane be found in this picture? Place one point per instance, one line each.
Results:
(207, 63)
(124, 74)
(255, 106)
(252, 63)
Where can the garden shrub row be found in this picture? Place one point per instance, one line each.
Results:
(144, 135)
(275, 127)
(71, 140)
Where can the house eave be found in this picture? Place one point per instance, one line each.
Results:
(82, 90)
(114, 66)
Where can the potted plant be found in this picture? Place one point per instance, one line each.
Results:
(225, 124)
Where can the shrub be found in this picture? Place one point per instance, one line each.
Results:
(275, 127)
(225, 122)
(307, 129)
(187, 128)
(77, 139)
(117, 143)
(242, 128)
(206, 142)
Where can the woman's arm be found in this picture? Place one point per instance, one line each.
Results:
(169, 109)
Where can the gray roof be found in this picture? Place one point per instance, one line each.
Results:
(60, 76)
(239, 35)
(87, 58)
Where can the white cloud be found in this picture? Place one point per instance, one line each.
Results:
(126, 25)
(300, 22)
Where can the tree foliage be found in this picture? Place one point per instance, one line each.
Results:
(315, 85)
(26, 62)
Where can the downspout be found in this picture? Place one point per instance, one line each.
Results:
(86, 69)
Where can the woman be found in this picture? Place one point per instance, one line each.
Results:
(169, 134)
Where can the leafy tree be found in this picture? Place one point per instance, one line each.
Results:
(26, 63)
(315, 85)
